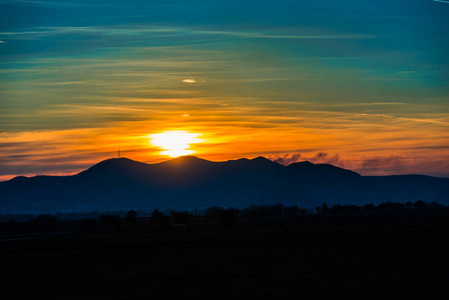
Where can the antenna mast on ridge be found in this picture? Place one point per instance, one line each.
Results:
(118, 151)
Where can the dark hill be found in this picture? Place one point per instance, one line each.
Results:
(323, 172)
(114, 171)
(188, 182)
(115, 166)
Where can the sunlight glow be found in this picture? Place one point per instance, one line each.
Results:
(175, 143)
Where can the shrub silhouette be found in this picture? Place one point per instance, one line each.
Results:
(229, 216)
(267, 211)
(213, 213)
(8, 226)
(109, 221)
(46, 218)
(90, 225)
(345, 209)
(275, 210)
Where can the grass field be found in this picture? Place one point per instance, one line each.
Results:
(345, 257)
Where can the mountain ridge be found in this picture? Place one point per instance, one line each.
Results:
(189, 181)
(179, 159)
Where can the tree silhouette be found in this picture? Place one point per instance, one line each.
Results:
(292, 210)
(180, 217)
(324, 208)
(225, 216)
(391, 205)
(303, 211)
(435, 204)
(419, 204)
(131, 218)
(369, 207)
(159, 217)
(42, 222)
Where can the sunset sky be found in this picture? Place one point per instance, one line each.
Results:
(363, 85)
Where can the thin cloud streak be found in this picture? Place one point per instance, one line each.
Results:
(47, 3)
(39, 32)
(260, 35)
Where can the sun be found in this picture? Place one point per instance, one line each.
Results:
(175, 143)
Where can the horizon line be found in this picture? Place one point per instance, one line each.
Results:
(68, 174)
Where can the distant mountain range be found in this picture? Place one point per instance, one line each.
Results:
(188, 182)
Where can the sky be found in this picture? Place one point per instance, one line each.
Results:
(363, 85)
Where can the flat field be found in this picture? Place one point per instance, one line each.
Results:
(383, 256)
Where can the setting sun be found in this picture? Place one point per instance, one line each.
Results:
(175, 143)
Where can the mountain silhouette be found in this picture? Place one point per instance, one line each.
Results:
(187, 182)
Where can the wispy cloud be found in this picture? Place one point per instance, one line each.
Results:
(382, 162)
(320, 157)
(441, 1)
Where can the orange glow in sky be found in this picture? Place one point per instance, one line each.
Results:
(285, 82)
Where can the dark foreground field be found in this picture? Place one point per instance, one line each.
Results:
(401, 256)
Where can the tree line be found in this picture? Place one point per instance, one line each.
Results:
(158, 219)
